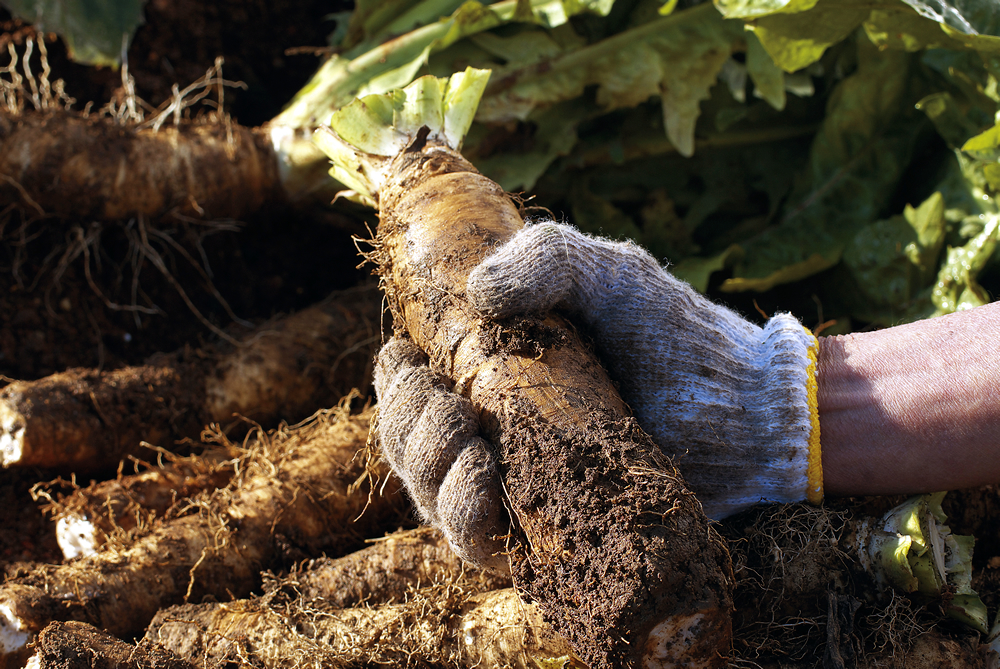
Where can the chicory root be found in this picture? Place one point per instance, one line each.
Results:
(86, 420)
(303, 488)
(61, 163)
(88, 516)
(76, 645)
(438, 626)
(605, 530)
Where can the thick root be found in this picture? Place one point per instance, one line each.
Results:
(76, 645)
(607, 532)
(87, 518)
(86, 420)
(61, 163)
(437, 627)
(298, 489)
(387, 571)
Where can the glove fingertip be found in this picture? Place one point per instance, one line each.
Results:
(396, 355)
(470, 508)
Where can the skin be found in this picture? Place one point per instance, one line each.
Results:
(913, 408)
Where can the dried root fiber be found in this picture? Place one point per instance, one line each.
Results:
(298, 489)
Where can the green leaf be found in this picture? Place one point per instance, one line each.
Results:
(749, 9)
(898, 26)
(914, 551)
(676, 58)
(954, 122)
(966, 16)
(795, 41)
(375, 66)
(768, 77)
(992, 174)
(957, 288)
(667, 8)
(986, 142)
(517, 168)
(855, 162)
(367, 134)
(367, 124)
(95, 31)
(460, 100)
(698, 271)
(894, 261)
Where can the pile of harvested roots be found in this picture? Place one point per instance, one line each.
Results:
(237, 514)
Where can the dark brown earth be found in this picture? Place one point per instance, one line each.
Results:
(76, 645)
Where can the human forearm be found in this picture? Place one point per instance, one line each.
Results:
(914, 408)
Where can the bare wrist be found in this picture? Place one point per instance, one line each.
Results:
(915, 408)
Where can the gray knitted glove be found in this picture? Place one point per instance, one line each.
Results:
(734, 404)
(429, 435)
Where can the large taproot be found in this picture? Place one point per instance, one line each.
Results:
(611, 545)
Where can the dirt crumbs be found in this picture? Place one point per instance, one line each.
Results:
(610, 520)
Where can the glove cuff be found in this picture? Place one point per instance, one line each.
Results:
(760, 407)
(814, 475)
(793, 468)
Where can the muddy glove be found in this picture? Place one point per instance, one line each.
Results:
(732, 403)
(430, 436)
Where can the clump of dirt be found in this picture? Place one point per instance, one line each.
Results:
(76, 645)
(613, 525)
(522, 335)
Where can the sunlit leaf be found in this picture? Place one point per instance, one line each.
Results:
(95, 31)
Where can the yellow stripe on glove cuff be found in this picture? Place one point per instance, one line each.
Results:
(814, 493)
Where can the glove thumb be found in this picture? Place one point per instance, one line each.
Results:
(531, 273)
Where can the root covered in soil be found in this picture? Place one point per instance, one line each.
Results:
(93, 168)
(613, 549)
(76, 645)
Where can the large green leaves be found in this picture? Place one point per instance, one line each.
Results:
(771, 140)
(676, 58)
(95, 31)
(856, 160)
(796, 33)
(384, 66)
(893, 263)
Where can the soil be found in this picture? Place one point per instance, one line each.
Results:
(76, 645)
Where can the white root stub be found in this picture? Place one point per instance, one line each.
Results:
(11, 436)
(677, 642)
(13, 636)
(76, 536)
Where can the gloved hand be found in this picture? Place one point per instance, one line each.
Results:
(430, 437)
(734, 404)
